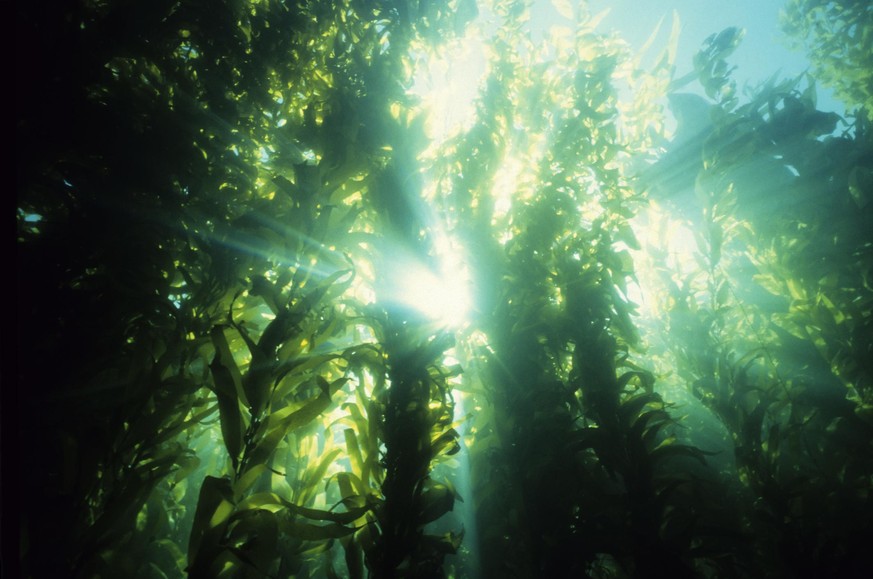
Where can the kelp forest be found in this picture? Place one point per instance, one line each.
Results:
(273, 321)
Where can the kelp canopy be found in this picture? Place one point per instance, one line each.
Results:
(227, 211)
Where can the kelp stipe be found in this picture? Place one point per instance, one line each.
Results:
(417, 428)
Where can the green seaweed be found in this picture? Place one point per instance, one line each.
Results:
(213, 379)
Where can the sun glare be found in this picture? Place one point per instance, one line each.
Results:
(442, 294)
(442, 299)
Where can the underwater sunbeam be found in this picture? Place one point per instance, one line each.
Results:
(442, 298)
(439, 290)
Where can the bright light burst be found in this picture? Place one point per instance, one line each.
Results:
(442, 294)
(443, 300)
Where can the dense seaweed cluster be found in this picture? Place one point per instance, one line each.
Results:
(215, 377)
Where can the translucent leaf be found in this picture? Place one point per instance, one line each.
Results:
(249, 478)
(214, 493)
(626, 234)
(595, 20)
(861, 185)
(651, 39)
(354, 451)
(283, 422)
(769, 283)
(226, 390)
(354, 557)
(673, 41)
(309, 532)
(253, 536)
(436, 501)
(187, 462)
(314, 476)
(564, 8)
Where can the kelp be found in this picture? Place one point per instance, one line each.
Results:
(215, 380)
(834, 36)
(417, 428)
(573, 475)
(773, 199)
(209, 168)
